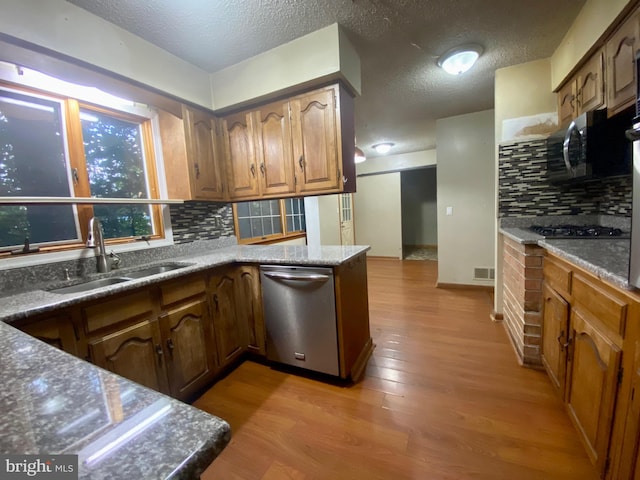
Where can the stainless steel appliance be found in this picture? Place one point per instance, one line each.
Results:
(300, 317)
(634, 258)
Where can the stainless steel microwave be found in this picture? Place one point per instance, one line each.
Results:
(591, 147)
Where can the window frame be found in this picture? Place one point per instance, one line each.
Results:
(74, 149)
(272, 238)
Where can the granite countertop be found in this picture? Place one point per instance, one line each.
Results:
(54, 403)
(607, 258)
(38, 299)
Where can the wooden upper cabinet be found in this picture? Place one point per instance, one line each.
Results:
(592, 389)
(567, 102)
(273, 148)
(315, 141)
(555, 337)
(203, 155)
(590, 84)
(620, 52)
(192, 158)
(242, 171)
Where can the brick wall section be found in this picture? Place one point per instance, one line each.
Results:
(522, 276)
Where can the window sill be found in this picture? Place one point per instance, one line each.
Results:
(267, 241)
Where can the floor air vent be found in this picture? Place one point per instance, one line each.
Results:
(483, 273)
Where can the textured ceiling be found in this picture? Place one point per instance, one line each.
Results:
(403, 91)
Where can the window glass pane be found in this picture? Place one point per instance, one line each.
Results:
(254, 209)
(32, 163)
(256, 227)
(289, 223)
(245, 228)
(243, 209)
(277, 225)
(116, 167)
(267, 227)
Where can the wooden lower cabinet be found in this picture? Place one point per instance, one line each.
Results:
(594, 365)
(134, 352)
(555, 336)
(186, 332)
(249, 308)
(58, 331)
(229, 332)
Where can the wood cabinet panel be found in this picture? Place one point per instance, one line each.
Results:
(249, 308)
(273, 148)
(135, 353)
(229, 333)
(620, 52)
(315, 141)
(57, 331)
(567, 102)
(557, 276)
(116, 310)
(602, 303)
(181, 289)
(555, 337)
(186, 333)
(591, 394)
(590, 84)
(242, 171)
(203, 155)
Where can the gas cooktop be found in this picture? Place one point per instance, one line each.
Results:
(578, 231)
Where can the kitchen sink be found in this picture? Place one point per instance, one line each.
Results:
(155, 270)
(93, 284)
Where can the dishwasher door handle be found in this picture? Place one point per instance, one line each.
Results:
(292, 276)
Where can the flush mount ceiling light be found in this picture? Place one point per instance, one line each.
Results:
(460, 59)
(359, 156)
(383, 148)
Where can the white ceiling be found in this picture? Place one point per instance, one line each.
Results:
(403, 91)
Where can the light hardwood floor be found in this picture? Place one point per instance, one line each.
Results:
(443, 398)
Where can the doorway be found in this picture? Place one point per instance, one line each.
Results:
(419, 214)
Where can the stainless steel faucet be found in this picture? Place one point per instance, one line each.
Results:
(96, 234)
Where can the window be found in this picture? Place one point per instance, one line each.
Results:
(53, 146)
(269, 220)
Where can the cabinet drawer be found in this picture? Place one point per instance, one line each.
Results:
(557, 276)
(181, 289)
(110, 312)
(603, 304)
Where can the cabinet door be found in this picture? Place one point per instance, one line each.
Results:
(203, 156)
(620, 51)
(242, 172)
(249, 307)
(273, 148)
(135, 353)
(591, 84)
(187, 335)
(228, 331)
(57, 331)
(594, 368)
(567, 107)
(315, 141)
(555, 335)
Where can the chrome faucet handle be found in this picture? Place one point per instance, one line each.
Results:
(115, 260)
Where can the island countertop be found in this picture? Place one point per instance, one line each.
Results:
(54, 403)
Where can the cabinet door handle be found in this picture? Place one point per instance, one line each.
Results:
(159, 350)
(262, 169)
(301, 163)
(253, 170)
(215, 300)
(197, 169)
(170, 346)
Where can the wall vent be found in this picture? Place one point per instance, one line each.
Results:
(485, 273)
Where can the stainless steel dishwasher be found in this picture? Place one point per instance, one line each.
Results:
(300, 317)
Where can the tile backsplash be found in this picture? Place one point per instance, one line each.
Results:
(525, 191)
(201, 221)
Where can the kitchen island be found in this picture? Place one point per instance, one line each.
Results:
(56, 403)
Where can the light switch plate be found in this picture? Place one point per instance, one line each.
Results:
(449, 210)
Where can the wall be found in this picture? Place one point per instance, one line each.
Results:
(378, 218)
(320, 54)
(64, 28)
(419, 207)
(590, 24)
(466, 183)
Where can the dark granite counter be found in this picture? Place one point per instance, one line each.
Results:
(54, 403)
(606, 258)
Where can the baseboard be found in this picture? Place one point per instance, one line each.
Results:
(496, 317)
(461, 286)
